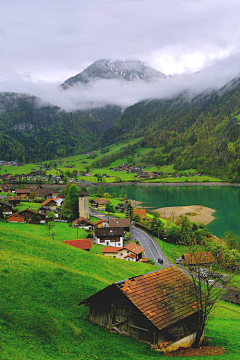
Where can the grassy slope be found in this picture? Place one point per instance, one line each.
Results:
(81, 162)
(42, 282)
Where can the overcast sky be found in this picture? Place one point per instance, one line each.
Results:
(46, 41)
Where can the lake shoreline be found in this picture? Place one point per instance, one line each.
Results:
(173, 184)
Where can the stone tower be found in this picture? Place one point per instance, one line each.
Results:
(83, 204)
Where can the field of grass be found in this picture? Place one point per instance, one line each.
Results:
(42, 282)
(82, 162)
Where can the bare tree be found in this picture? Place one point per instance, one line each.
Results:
(209, 282)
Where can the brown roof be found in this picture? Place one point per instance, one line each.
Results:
(100, 201)
(22, 191)
(82, 219)
(136, 249)
(140, 212)
(83, 244)
(16, 198)
(199, 258)
(232, 295)
(110, 249)
(119, 223)
(108, 232)
(163, 296)
(48, 201)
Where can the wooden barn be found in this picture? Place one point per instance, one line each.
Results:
(158, 307)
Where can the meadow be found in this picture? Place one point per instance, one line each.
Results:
(83, 162)
(43, 280)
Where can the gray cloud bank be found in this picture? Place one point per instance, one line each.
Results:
(123, 93)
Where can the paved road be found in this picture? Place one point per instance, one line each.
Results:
(151, 246)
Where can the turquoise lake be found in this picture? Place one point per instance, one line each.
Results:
(224, 199)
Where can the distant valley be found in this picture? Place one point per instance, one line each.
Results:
(200, 132)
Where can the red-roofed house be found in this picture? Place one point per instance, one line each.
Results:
(83, 223)
(83, 244)
(131, 252)
(140, 212)
(50, 203)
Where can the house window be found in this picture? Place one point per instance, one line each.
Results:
(121, 254)
(107, 242)
(128, 252)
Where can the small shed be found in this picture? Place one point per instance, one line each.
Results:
(199, 258)
(232, 295)
(158, 307)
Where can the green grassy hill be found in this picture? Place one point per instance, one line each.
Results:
(42, 282)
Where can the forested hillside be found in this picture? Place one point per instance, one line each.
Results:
(31, 130)
(201, 133)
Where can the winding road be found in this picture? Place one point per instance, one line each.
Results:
(148, 242)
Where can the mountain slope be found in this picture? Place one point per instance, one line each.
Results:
(201, 133)
(40, 131)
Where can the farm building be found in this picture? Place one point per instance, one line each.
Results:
(84, 244)
(199, 258)
(158, 307)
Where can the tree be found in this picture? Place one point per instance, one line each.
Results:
(127, 236)
(232, 240)
(50, 227)
(70, 208)
(33, 195)
(99, 192)
(114, 195)
(129, 211)
(109, 208)
(137, 218)
(51, 216)
(204, 289)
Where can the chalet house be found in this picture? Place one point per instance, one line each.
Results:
(199, 258)
(25, 216)
(131, 252)
(83, 223)
(158, 307)
(84, 244)
(100, 224)
(121, 207)
(140, 212)
(45, 209)
(6, 208)
(23, 192)
(50, 203)
(99, 204)
(14, 200)
(124, 223)
(109, 236)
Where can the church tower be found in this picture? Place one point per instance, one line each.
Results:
(83, 204)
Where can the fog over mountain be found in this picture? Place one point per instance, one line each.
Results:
(122, 83)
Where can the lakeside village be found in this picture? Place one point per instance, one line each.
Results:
(111, 237)
(38, 174)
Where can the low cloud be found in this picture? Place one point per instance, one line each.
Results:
(122, 93)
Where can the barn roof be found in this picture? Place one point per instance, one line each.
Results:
(232, 295)
(199, 258)
(119, 223)
(83, 244)
(164, 296)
